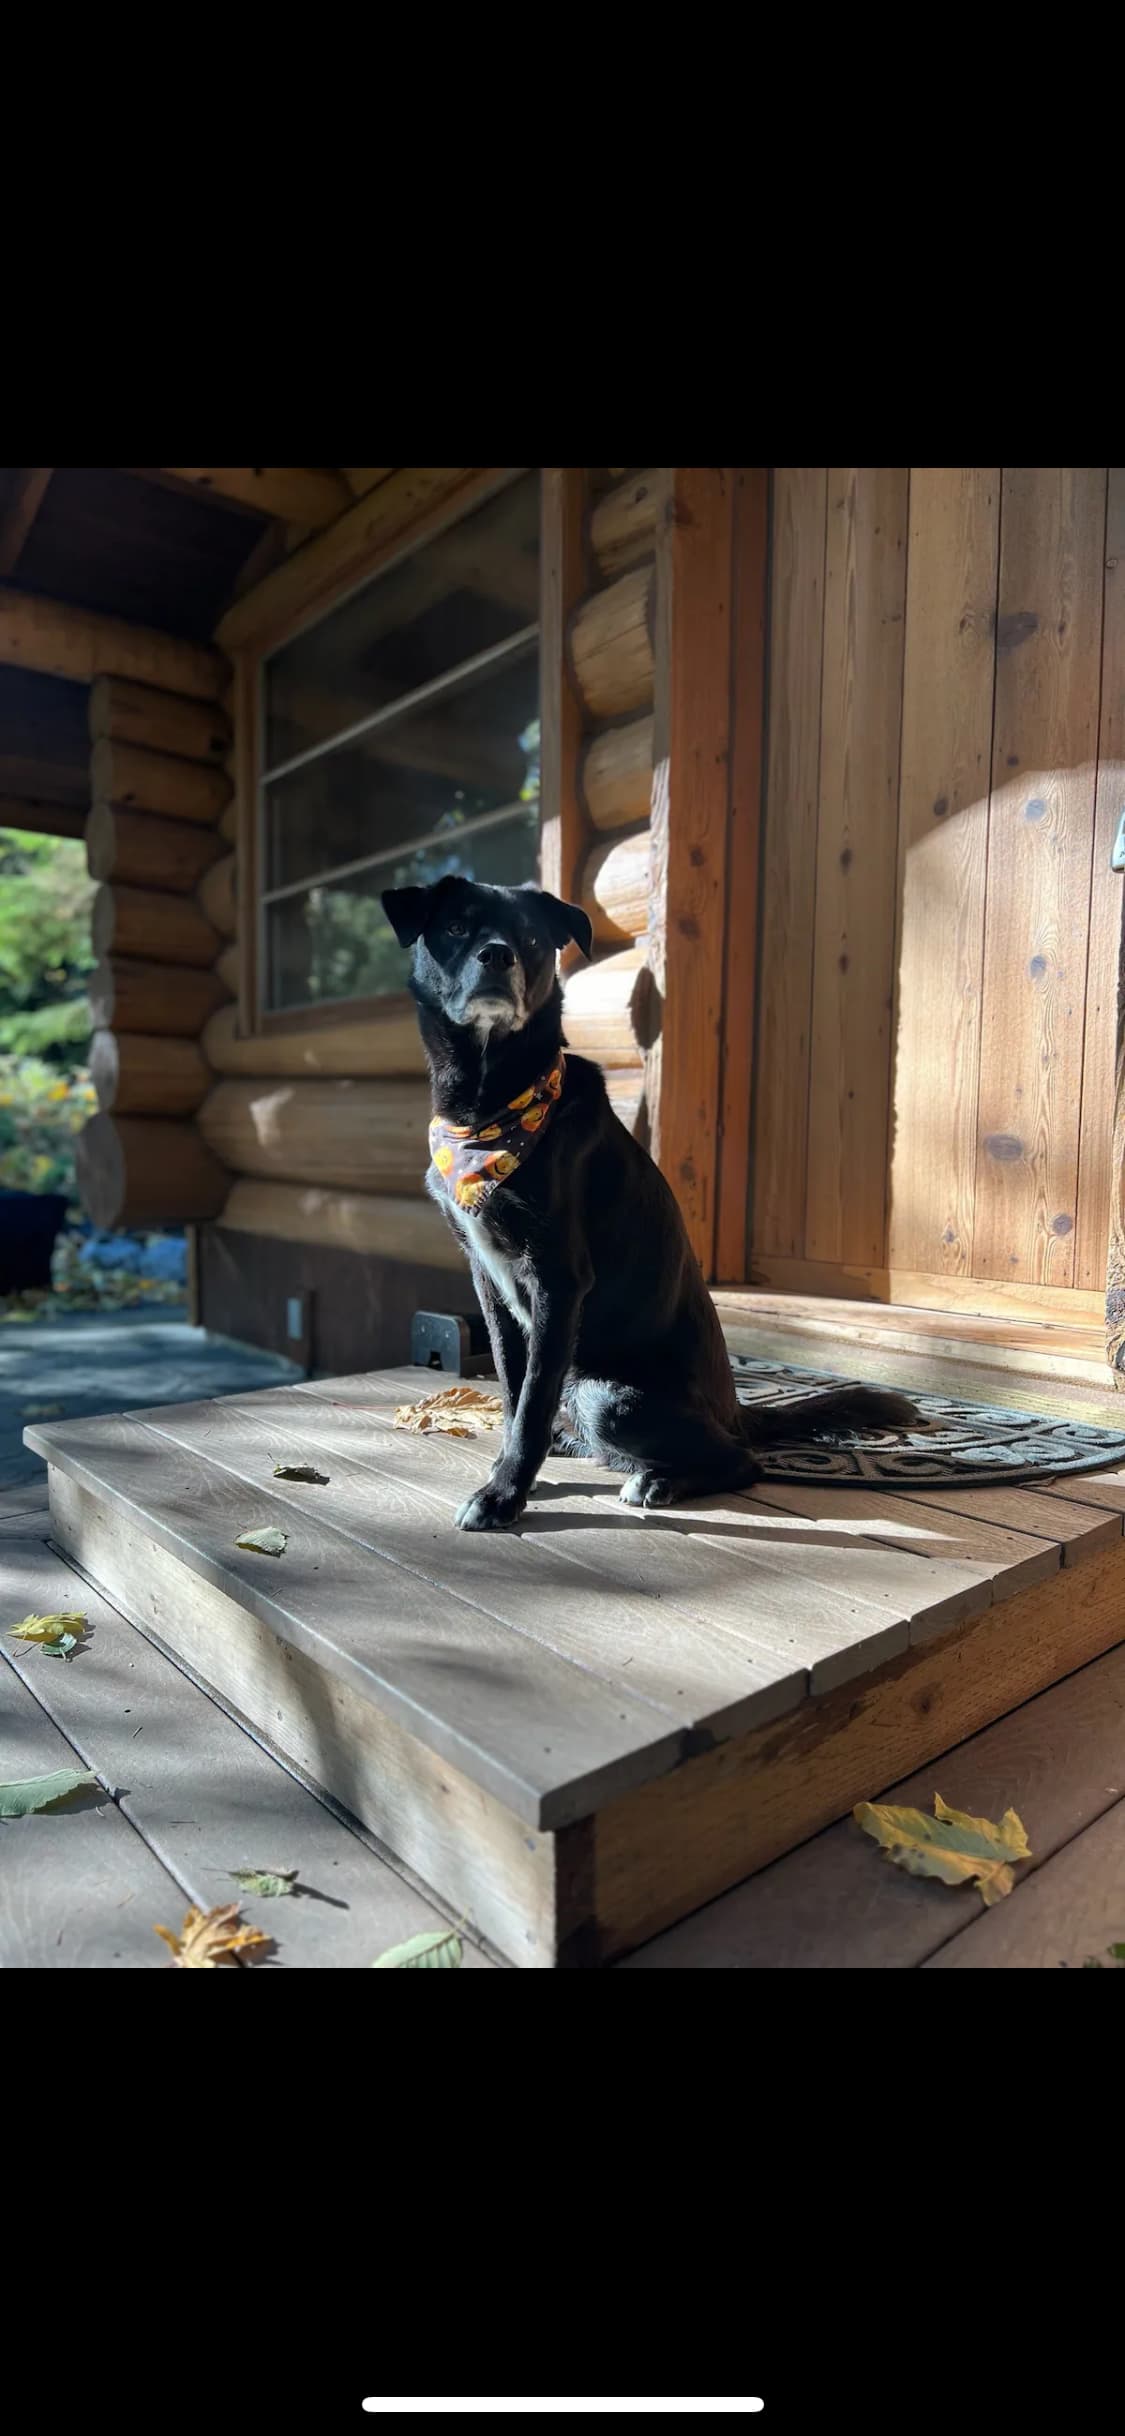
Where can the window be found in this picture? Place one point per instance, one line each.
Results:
(399, 741)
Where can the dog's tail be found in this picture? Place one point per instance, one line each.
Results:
(832, 1412)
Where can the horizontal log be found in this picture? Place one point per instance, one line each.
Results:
(615, 888)
(404, 507)
(361, 1136)
(148, 852)
(623, 524)
(42, 819)
(216, 895)
(154, 924)
(309, 495)
(394, 1226)
(611, 1010)
(611, 646)
(363, 478)
(146, 1074)
(147, 1171)
(57, 640)
(157, 722)
(173, 999)
(381, 1044)
(228, 966)
(616, 775)
(141, 781)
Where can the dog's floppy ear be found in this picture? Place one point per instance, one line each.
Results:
(566, 922)
(408, 909)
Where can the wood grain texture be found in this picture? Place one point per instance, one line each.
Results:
(384, 1042)
(1102, 1150)
(861, 708)
(492, 1869)
(942, 859)
(151, 925)
(158, 722)
(147, 1074)
(1072, 1909)
(392, 1226)
(781, 1084)
(966, 1557)
(57, 640)
(564, 576)
(147, 1171)
(359, 1136)
(204, 1795)
(540, 1734)
(691, 744)
(672, 1846)
(79, 1890)
(616, 775)
(130, 994)
(142, 781)
(147, 852)
(835, 1904)
(1041, 822)
(750, 547)
(623, 523)
(616, 888)
(611, 646)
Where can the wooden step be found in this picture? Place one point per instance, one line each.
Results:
(578, 1731)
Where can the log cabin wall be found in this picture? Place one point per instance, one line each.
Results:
(934, 1088)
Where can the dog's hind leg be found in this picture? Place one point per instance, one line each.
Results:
(672, 1451)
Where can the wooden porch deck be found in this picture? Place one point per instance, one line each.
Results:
(580, 1733)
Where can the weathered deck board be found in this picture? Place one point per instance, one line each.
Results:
(839, 1565)
(1071, 1910)
(743, 1602)
(974, 1556)
(202, 1793)
(705, 1680)
(1104, 1489)
(547, 1738)
(837, 1904)
(1080, 1527)
(78, 1887)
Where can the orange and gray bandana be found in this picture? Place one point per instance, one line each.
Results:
(471, 1165)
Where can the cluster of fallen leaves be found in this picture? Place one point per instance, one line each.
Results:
(57, 1635)
(952, 1845)
(455, 1412)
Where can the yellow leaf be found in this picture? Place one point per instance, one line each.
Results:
(46, 1628)
(208, 1939)
(455, 1412)
(952, 1845)
(59, 1091)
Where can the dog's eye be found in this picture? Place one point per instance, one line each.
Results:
(457, 930)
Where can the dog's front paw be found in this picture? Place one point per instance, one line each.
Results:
(493, 1508)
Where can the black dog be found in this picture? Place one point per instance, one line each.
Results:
(582, 1267)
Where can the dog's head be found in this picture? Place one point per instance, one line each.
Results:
(485, 956)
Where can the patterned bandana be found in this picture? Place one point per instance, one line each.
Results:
(471, 1165)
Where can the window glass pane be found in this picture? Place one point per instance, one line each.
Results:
(473, 750)
(334, 941)
(467, 589)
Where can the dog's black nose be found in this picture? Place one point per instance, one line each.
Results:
(496, 956)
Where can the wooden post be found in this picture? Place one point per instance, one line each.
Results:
(748, 670)
(565, 581)
(687, 927)
(1110, 807)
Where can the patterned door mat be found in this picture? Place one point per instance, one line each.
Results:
(962, 1444)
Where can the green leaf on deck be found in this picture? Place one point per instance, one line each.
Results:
(951, 1845)
(29, 1793)
(264, 1881)
(267, 1542)
(433, 1950)
(300, 1471)
(58, 1635)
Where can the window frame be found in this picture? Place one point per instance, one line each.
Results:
(254, 1019)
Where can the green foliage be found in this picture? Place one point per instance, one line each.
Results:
(41, 1110)
(45, 951)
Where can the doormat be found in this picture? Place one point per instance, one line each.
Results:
(963, 1445)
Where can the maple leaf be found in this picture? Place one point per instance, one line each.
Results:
(208, 1939)
(952, 1845)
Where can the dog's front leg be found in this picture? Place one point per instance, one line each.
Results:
(506, 1337)
(556, 1305)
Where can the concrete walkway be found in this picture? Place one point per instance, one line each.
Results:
(113, 1361)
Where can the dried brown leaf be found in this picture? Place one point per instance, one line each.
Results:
(453, 1412)
(209, 1939)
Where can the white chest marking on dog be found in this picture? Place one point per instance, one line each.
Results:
(500, 1265)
